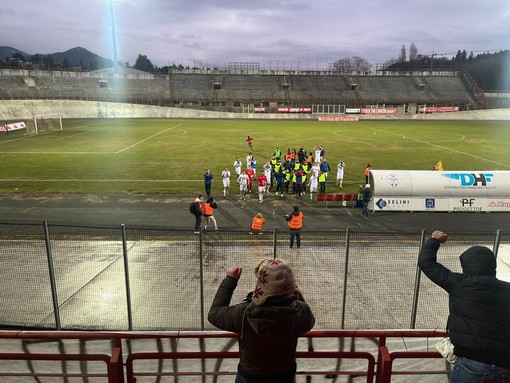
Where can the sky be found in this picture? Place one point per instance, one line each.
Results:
(286, 34)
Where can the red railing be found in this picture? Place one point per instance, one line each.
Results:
(375, 365)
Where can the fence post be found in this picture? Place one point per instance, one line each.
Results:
(126, 277)
(274, 243)
(53, 284)
(417, 281)
(202, 295)
(346, 274)
(497, 241)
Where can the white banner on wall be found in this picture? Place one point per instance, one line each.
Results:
(467, 191)
(15, 126)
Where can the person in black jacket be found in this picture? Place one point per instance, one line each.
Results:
(269, 322)
(366, 197)
(479, 320)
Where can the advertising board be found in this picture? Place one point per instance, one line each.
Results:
(420, 190)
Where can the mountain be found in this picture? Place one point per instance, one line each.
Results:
(7, 52)
(76, 57)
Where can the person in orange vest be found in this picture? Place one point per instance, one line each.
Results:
(257, 224)
(367, 171)
(295, 222)
(209, 207)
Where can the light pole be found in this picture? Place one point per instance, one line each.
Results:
(114, 35)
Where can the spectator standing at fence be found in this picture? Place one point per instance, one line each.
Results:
(368, 167)
(366, 197)
(225, 175)
(198, 209)
(479, 304)
(209, 207)
(295, 223)
(269, 322)
(208, 177)
(340, 173)
(257, 224)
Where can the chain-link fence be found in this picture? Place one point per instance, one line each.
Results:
(155, 278)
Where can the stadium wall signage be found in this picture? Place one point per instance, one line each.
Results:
(438, 109)
(15, 126)
(379, 110)
(423, 190)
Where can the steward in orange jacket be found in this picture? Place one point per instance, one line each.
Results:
(295, 222)
(257, 224)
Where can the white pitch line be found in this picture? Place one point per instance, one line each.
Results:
(55, 153)
(456, 151)
(148, 138)
(93, 180)
(446, 148)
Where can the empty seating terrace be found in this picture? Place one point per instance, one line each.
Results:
(305, 90)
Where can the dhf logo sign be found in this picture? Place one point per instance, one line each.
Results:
(471, 179)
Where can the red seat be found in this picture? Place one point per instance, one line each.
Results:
(321, 197)
(339, 197)
(347, 198)
(329, 198)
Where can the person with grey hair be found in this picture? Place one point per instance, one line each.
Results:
(479, 320)
(366, 197)
(269, 322)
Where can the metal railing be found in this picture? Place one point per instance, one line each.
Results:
(112, 278)
(369, 354)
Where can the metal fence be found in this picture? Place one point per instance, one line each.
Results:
(72, 277)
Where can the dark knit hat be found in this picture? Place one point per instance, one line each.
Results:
(274, 278)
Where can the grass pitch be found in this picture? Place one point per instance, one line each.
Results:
(170, 156)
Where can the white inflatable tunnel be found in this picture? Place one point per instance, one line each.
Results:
(431, 190)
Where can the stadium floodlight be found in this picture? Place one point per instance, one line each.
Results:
(114, 36)
(113, 31)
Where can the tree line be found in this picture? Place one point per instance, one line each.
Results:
(490, 70)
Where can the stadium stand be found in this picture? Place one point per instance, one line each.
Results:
(217, 91)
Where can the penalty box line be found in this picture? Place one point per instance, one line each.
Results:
(146, 139)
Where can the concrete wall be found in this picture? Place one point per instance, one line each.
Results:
(11, 110)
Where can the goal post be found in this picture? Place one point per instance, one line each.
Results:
(44, 123)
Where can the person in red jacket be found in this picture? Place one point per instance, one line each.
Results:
(262, 183)
(295, 222)
(251, 174)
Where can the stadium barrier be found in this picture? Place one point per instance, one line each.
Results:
(113, 278)
(369, 355)
(433, 190)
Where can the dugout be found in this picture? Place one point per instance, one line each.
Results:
(421, 190)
